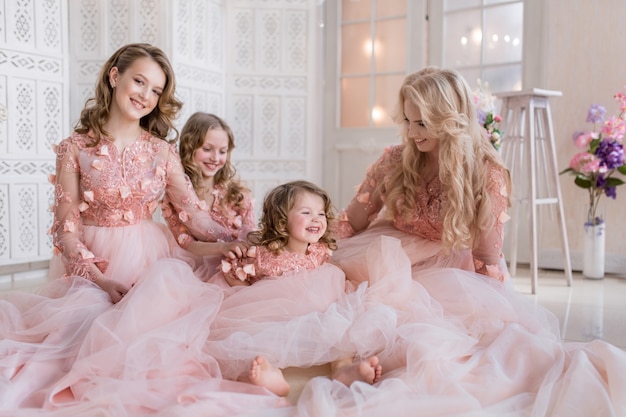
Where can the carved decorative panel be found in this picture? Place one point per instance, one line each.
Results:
(269, 126)
(243, 40)
(270, 35)
(87, 19)
(296, 39)
(24, 233)
(4, 146)
(119, 26)
(50, 120)
(271, 80)
(295, 133)
(181, 32)
(198, 59)
(5, 253)
(49, 20)
(21, 23)
(33, 117)
(242, 124)
(22, 117)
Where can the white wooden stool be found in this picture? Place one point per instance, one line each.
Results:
(529, 152)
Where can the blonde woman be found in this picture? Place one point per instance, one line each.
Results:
(445, 186)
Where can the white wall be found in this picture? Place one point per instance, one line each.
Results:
(585, 60)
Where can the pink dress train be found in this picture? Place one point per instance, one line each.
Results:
(464, 345)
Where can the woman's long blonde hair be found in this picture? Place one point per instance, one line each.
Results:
(192, 138)
(465, 155)
(160, 121)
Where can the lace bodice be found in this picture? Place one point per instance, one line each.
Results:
(427, 221)
(101, 186)
(265, 264)
(238, 221)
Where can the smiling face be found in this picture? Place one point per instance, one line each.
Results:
(306, 221)
(213, 153)
(417, 131)
(136, 90)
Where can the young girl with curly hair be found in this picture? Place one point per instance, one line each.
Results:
(206, 145)
(291, 290)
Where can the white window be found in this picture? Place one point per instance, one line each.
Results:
(483, 39)
(373, 60)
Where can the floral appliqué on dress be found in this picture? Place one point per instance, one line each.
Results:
(261, 263)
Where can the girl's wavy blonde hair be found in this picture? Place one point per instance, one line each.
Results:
(445, 102)
(272, 231)
(160, 121)
(192, 138)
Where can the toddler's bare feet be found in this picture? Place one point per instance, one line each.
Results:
(263, 374)
(367, 370)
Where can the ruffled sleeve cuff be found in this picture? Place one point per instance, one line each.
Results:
(81, 265)
(491, 271)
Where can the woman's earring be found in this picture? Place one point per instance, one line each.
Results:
(112, 83)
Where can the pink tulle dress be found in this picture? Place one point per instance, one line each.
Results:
(67, 345)
(465, 343)
(295, 313)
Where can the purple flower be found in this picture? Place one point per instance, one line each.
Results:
(611, 192)
(482, 117)
(611, 153)
(608, 191)
(596, 114)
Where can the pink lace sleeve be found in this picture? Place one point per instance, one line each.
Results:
(261, 263)
(248, 216)
(487, 252)
(366, 204)
(67, 227)
(190, 210)
(237, 227)
(178, 229)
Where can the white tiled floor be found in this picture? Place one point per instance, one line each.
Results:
(589, 309)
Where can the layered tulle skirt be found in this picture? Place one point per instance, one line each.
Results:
(451, 342)
(464, 344)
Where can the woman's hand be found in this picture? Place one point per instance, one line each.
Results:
(116, 290)
(234, 250)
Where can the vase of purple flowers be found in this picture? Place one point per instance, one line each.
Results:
(597, 168)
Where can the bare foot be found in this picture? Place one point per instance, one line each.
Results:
(265, 375)
(367, 370)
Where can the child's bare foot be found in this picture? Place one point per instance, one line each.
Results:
(367, 370)
(263, 374)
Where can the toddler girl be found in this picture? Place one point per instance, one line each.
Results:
(297, 309)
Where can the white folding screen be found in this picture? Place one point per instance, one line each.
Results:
(34, 103)
(271, 73)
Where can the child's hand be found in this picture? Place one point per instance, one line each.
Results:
(234, 250)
